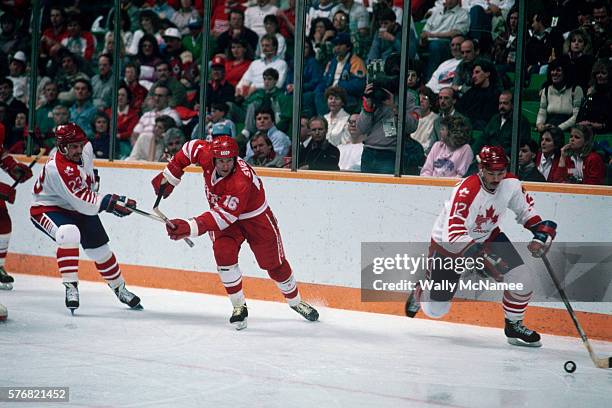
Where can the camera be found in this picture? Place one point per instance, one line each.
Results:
(384, 75)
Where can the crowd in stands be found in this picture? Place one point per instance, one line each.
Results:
(462, 58)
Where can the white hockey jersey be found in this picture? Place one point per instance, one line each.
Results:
(473, 213)
(65, 185)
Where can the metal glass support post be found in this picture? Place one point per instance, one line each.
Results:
(519, 80)
(35, 30)
(116, 77)
(401, 120)
(298, 72)
(204, 65)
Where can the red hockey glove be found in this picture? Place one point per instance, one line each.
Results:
(18, 171)
(178, 228)
(7, 193)
(543, 234)
(160, 183)
(117, 205)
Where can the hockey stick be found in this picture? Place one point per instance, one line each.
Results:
(144, 214)
(599, 362)
(38, 156)
(157, 211)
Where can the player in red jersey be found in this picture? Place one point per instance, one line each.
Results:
(468, 227)
(20, 173)
(238, 212)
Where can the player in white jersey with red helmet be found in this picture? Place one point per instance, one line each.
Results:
(66, 206)
(468, 227)
(238, 212)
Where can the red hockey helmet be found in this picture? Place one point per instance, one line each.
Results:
(224, 147)
(69, 133)
(493, 158)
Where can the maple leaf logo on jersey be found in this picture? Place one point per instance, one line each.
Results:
(484, 223)
(464, 192)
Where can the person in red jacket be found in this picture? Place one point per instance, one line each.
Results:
(578, 162)
(547, 158)
(20, 173)
(238, 212)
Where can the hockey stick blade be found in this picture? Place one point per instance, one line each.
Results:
(32, 163)
(599, 362)
(167, 221)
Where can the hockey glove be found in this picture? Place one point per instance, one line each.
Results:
(493, 265)
(543, 234)
(117, 205)
(7, 193)
(161, 184)
(179, 228)
(19, 172)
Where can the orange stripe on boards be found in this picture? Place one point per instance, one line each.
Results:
(358, 177)
(490, 314)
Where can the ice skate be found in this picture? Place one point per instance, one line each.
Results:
(6, 280)
(239, 317)
(72, 296)
(519, 335)
(307, 311)
(127, 297)
(3, 312)
(412, 303)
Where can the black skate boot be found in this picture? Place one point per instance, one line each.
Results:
(127, 297)
(307, 311)
(413, 302)
(519, 335)
(6, 280)
(72, 296)
(239, 317)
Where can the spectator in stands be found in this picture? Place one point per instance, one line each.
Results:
(321, 34)
(145, 124)
(311, 77)
(264, 119)
(253, 77)
(527, 170)
(137, 91)
(162, 9)
(102, 83)
(217, 117)
(388, 40)
(547, 158)
(272, 27)
(596, 111)
(358, 17)
(192, 40)
(447, 100)
(164, 78)
(126, 34)
(263, 153)
(238, 60)
(149, 25)
(182, 16)
(559, 101)
(147, 58)
(286, 18)
(504, 52)
(440, 27)
(219, 89)
(602, 24)
(83, 110)
(337, 118)
(77, 41)
(481, 16)
(17, 74)
(350, 152)
(463, 74)
(236, 31)
(11, 39)
(173, 141)
(452, 155)
(319, 154)
(340, 21)
(67, 74)
(14, 106)
(18, 134)
(150, 146)
(498, 131)
(61, 115)
(346, 71)
(254, 16)
(578, 54)
(321, 10)
(424, 131)
(127, 118)
(446, 71)
(172, 51)
(44, 114)
(52, 36)
(578, 162)
(479, 102)
(101, 138)
(542, 43)
(378, 122)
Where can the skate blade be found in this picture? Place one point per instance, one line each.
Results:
(240, 325)
(72, 309)
(521, 343)
(6, 286)
(137, 307)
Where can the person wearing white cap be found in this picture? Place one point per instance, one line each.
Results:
(17, 68)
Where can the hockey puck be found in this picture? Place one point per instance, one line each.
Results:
(569, 366)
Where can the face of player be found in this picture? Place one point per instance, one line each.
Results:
(576, 140)
(525, 155)
(74, 151)
(224, 166)
(491, 179)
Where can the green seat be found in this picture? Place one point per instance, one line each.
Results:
(530, 110)
(532, 92)
(418, 26)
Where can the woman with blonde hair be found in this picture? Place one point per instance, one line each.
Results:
(451, 156)
(578, 162)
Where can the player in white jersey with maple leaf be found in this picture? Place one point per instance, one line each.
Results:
(468, 227)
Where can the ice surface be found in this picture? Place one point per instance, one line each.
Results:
(181, 352)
